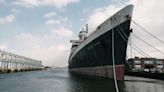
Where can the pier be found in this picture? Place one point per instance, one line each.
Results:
(10, 62)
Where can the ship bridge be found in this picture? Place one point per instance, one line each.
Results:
(82, 36)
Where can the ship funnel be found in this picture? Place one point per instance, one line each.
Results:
(82, 34)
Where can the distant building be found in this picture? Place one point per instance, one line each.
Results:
(146, 65)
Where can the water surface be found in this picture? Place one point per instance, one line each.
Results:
(60, 80)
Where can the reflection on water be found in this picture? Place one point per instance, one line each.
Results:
(138, 84)
(60, 80)
(79, 83)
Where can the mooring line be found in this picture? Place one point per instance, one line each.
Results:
(113, 59)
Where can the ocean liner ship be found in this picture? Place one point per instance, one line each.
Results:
(103, 52)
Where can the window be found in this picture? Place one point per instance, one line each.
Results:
(148, 62)
(159, 66)
(137, 62)
(159, 62)
(137, 66)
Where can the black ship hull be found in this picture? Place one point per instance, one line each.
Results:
(96, 57)
(103, 52)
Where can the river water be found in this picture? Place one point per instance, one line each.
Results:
(60, 80)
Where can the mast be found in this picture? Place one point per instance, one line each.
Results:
(86, 28)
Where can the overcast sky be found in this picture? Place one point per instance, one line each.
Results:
(42, 29)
